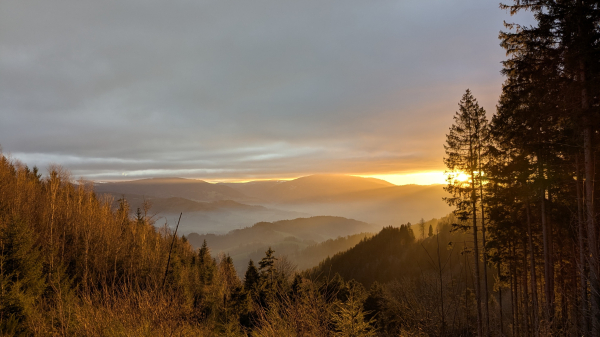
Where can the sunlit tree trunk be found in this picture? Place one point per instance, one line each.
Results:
(536, 320)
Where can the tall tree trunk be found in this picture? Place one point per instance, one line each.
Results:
(588, 152)
(548, 267)
(475, 243)
(526, 313)
(591, 227)
(500, 299)
(516, 287)
(482, 205)
(536, 320)
(477, 273)
(512, 289)
(582, 262)
(485, 274)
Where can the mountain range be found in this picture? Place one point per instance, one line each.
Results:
(222, 207)
(305, 241)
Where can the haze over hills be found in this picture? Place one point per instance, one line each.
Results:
(197, 190)
(218, 216)
(397, 252)
(389, 206)
(366, 199)
(307, 188)
(289, 238)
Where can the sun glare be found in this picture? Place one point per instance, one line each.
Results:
(418, 178)
(461, 177)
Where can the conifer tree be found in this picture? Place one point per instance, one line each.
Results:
(422, 228)
(21, 277)
(267, 267)
(350, 320)
(251, 277)
(553, 69)
(464, 145)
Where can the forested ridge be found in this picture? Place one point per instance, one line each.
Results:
(519, 256)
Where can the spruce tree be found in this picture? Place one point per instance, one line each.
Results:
(267, 267)
(21, 276)
(422, 228)
(252, 277)
(464, 145)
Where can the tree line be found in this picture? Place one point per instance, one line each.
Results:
(530, 197)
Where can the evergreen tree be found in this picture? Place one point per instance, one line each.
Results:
(206, 264)
(350, 320)
(21, 276)
(430, 231)
(422, 228)
(464, 146)
(267, 267)
(252, 277)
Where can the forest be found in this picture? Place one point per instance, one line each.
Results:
(519, 256)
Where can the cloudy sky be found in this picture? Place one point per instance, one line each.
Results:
(220, 90)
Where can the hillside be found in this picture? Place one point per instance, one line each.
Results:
(394, 253)
(312, 255)
(366, 199)
(196, 190)
(286, 237)
(309, 188)
(178, 204)
(220, 216)
(387, 206)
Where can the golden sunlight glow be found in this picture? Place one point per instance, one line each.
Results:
(461, 177)
(417, 178)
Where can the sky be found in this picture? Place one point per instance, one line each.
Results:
(240, 90)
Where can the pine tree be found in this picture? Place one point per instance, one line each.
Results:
(422, 228)
(350, 318)
(553, 70)
(430, 234)
(21, 277)
(206, 265)
(251, 277)
(267, 267)
(464, 145)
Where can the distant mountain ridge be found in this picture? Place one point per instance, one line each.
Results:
(366, 199)
(197, 190)
(178, 204)
(308, 187)
(315, 229)
(303, 240)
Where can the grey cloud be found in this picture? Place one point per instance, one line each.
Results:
(228, 89)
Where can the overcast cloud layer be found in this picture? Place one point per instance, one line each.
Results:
(241, 89)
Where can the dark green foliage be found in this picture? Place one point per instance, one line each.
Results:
(22, 282)
(374, 302)
(379, 258)
(252, 277)
(267, 267)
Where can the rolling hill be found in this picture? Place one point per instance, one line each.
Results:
(286, 237)
(309, 188)
(394, 253)
(196, 190)
(387, 206)
(228, 206)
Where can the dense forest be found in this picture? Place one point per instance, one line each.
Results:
(518, 257)
(530, 194)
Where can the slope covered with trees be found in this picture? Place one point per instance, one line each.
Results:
(70, 264)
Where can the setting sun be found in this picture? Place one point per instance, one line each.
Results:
(461, 177)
